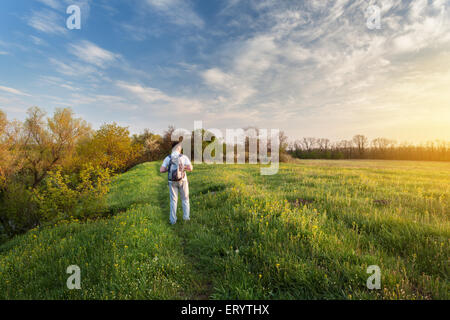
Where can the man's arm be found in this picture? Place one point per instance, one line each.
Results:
(164, 166)
(188, 165)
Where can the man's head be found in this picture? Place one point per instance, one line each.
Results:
(176, 146)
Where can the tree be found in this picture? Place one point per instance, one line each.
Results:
(309, 143)
(46, 144)
(346, 147)
(360, 142)
(150, 144)
(382, 144)
(110, 147)
(3, 122)
(283, 142)
(323, 144)
(5, 157)
(166, 146)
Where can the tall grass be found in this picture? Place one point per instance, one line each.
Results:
(309, 232)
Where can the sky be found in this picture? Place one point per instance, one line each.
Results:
(311, 68)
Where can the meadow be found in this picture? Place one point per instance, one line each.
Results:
(308, 232)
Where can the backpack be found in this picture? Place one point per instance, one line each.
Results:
(176, 168)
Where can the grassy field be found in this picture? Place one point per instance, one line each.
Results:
(308, 232)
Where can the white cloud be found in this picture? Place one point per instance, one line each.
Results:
(13, 91)
(147, 94)
(236, 89)
(37, 41)
(417, 8)
(217, 78)
(72, 69)
(56, 81)
(179, 12)
(47, 21)
(53, 20)
(61, 5)
(162, 102)
(93, 54)
(54, 4)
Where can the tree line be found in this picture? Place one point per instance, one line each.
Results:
(361, 148)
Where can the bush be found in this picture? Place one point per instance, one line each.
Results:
(67, 197)
(60, 196)
(93, 187)
(18, 212)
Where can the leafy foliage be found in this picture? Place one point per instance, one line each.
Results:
(110, 147)
(40, 178)
(68, 197)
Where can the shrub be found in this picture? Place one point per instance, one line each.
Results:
(78, 196)
(18, 212)
(60, 196)
(93, 187)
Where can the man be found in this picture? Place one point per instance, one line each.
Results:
(180, 184)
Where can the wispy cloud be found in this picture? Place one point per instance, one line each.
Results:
(236, 89)
(13, 91)
(91, 53)
(166, 104)
(38, 41)
(56, 81)
(47, 21)
(61, 5)
(54, 4)
(179, 12)
(72, 69)
(52, 20)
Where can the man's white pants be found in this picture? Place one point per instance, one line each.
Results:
(183, 188)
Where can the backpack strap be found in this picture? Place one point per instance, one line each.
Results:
(168, 167)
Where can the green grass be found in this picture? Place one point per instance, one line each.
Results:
(308, 232)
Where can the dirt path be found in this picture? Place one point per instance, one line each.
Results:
(200, 287)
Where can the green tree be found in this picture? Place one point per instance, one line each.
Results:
(46, 144)
(110, 147)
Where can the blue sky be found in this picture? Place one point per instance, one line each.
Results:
(311, 68)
